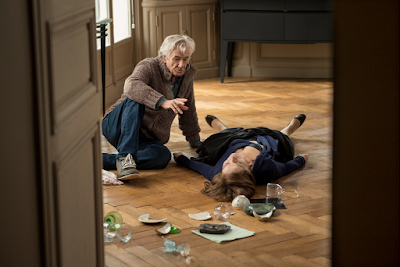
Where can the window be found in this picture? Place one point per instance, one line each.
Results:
(121, 19)
(102, 13)
(119, 49)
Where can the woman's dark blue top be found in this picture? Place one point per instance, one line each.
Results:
(265, 168)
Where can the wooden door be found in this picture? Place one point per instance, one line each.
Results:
(69, 131)
(149, 38)
(169, 21)
(200, 25)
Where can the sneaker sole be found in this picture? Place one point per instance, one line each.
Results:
(129, 176)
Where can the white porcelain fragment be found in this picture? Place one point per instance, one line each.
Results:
(263, 217)
(202, 216)
(165, 229)
(145, 218)
(240, 201)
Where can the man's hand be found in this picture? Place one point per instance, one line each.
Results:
(177, 105)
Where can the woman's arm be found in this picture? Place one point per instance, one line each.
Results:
(270, 169)
(283, 169)
(204, 169)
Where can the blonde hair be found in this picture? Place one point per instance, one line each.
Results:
(180, 42)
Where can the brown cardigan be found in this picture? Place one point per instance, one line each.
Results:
(151, 80)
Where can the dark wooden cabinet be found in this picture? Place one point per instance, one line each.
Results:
(273, 21)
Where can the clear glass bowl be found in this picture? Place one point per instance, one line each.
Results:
(222, 212)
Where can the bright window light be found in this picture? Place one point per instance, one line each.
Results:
(121, 19)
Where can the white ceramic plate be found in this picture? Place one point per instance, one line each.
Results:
(202, 216)
(145, 218)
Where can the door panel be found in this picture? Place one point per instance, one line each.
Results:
(171, 20)
(123, 59)
(75, 182)
(69, 60)
(201, 29)
(69, 128)
(150, 35)
(72, 79)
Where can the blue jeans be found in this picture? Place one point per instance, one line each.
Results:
(121, 127)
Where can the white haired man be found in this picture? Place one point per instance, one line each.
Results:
(139, 123)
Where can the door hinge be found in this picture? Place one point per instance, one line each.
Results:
(156, 20)
(214, 55)
(213, 16)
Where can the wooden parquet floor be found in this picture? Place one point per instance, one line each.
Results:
(297, 236)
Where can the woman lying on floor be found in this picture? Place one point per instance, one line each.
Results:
(235, 160)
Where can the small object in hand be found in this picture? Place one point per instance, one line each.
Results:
(208, 228)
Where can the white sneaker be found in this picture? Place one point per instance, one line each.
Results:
(126, 168)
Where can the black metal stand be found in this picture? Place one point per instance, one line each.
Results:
(103, 33)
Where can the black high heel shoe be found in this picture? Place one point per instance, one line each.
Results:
(300, 117)
(210, 118)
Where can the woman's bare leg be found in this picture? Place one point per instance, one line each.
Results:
(291, 128)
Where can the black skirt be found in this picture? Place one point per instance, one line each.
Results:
(215, 146)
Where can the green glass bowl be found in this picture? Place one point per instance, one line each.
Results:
(113, 217)
(259, 208)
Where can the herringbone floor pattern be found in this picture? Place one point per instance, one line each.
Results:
(297, 236)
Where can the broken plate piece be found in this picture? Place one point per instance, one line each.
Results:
(202, 216)
(165, 229)
(259, 208)
(145, 218)
(263, 217)
(168, 228)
